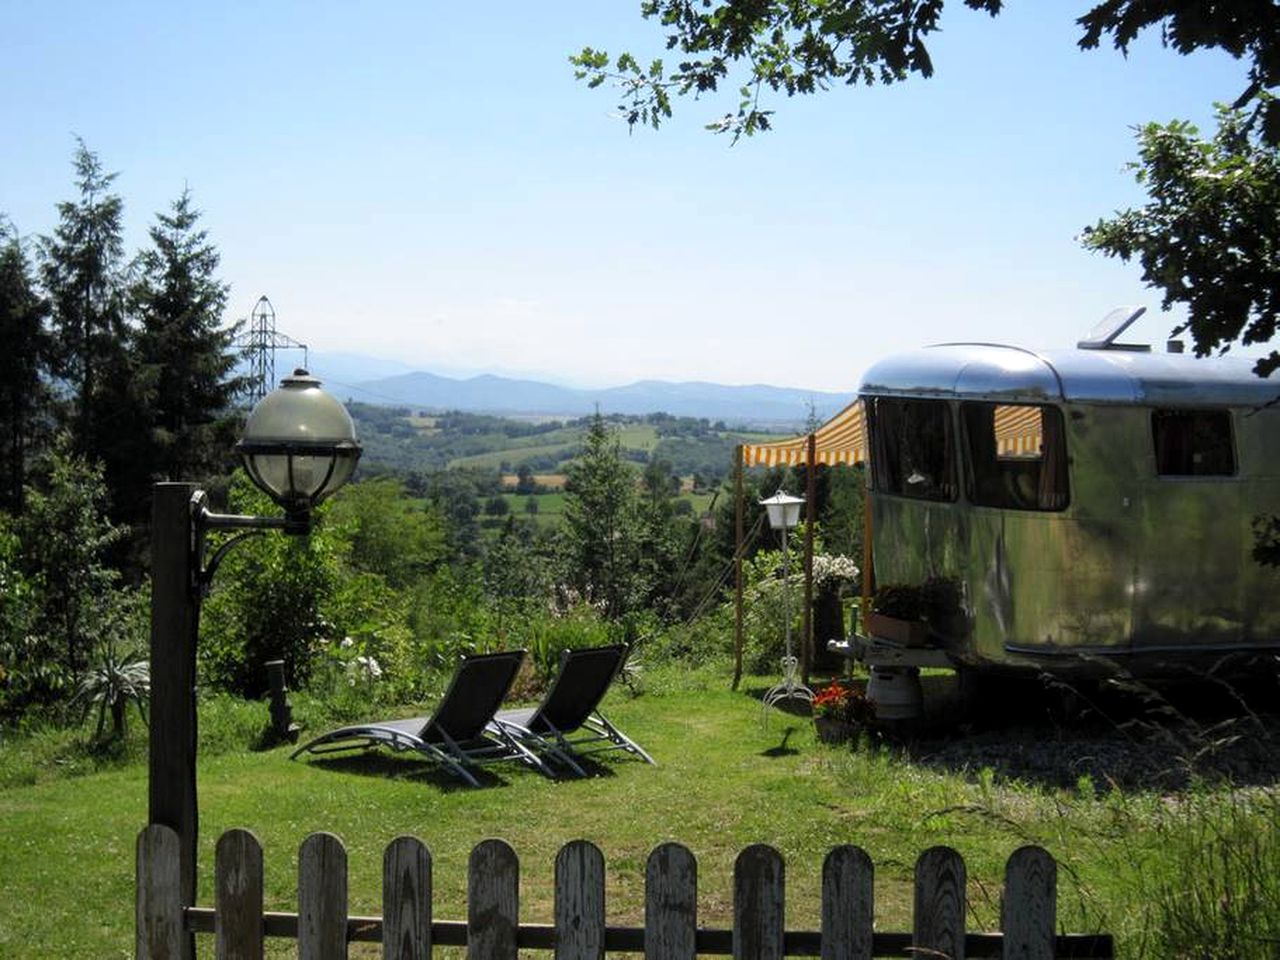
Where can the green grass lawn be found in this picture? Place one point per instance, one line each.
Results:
(724, 780)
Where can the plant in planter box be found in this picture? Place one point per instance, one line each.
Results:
(898, 614)
(943, 605)
(839, 710)
(900, 601)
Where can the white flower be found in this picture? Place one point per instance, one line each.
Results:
(834, 569)
(363, 669)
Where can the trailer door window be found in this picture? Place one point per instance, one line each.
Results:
(1017, 456)
(1193, 443)
(912, 453)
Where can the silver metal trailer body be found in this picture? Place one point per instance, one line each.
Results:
(1122, 530)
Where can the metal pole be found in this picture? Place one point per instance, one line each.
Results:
(868, 557)
(811, 511)
(786, 583)
(175, 619)
(737, 567)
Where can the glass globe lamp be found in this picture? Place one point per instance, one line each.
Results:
(299, 445)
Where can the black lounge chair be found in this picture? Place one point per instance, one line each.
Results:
(569, 719)
(458, 734)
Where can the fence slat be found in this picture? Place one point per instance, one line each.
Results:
(579, 906)
(322, 898)
(758, 889)
(1029, 911)
(237, 931)
(493, 901)
(406, 900)
(323, 927)
(670, 904)
(847, 909)
(158, 907)
(939, 913)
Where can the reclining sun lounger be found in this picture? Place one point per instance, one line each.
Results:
(458, 734)
(568, 719)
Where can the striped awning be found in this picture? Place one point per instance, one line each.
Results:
(843, 439)
(1018, 431)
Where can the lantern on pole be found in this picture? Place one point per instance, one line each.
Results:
(784, 514)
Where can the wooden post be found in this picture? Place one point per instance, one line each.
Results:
(406, 900)
(810, 518)
(158, 905)
(940, 904)
(671, 904)
(847, 909)
(322, 898)
(493, 902)
(737, 566)
(579, 902)
(238, 897)
(1029, 909)
(175, 622)
(283, 729)
(758, 897)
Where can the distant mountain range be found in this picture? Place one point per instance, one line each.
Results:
(736, 405)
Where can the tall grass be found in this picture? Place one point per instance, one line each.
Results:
(1218, 893)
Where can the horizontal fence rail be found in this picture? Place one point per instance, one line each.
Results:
(407, 929)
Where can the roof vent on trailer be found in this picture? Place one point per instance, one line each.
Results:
(1103, 336)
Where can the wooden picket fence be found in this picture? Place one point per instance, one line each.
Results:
(407, 929)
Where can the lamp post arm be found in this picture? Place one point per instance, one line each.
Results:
(204, 520)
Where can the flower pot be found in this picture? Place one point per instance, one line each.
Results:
(909, 633)
(831, 730)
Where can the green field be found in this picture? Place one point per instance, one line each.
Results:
(559, 443)
(551, 505)
(724, 780)
(494, 459)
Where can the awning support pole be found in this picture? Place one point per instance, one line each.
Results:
(737, 566)
(811, 516)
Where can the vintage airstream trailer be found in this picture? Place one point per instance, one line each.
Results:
(1085, 508)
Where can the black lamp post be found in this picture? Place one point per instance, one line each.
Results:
(299, 447)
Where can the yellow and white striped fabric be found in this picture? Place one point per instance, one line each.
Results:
(1018, 431)
(843, 439)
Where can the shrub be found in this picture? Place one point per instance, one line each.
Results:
(269, 602)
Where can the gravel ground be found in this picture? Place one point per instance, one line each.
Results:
(1143, 739)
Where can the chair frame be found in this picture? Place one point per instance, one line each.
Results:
(489, 745)
(566, 746)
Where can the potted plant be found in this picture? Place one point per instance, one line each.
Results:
(898, 614)
(839, 710)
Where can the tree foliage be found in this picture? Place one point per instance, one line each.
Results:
(184, 355)
(270, 602)
(83, 272)
(388, 534)
(805, 46)
(70, 599)
(23, 366)
(1209, 235)
(1206, 239)
(599, 539)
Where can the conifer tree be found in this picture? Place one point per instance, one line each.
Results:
(83, 272)
(183, 354)
(22, 363)
(599, 539)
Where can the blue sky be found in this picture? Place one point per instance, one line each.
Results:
(427, 183)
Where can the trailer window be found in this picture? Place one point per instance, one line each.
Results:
(1017, 456)
(1193, 443)
(913, 453)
